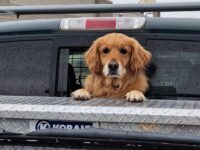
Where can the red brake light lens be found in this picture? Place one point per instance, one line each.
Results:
(100, 24)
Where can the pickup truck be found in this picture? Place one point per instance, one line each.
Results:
(41, 63)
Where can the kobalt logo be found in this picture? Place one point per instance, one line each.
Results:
(62, 125)
(42, 125)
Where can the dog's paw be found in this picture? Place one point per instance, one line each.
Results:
(135, 96)
(81, 94)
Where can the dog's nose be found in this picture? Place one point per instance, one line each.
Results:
(113, 65)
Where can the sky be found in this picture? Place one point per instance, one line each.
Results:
(194, 14)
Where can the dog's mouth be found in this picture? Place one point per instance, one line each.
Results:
(113, 74)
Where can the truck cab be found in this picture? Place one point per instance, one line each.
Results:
(41, 63)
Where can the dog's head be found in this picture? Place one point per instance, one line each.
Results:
(115, 54)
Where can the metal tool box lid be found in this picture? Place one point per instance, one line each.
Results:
(100, 110)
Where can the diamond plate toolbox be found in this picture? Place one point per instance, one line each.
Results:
(23, 114)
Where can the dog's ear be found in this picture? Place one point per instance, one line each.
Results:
(92, 59)
(140, 57)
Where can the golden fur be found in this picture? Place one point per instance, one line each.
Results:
(131, 82)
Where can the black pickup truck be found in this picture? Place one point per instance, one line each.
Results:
(41, 63)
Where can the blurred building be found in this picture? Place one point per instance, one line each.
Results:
(149, 14)
(50, 2)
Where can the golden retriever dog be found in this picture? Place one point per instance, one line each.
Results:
(117, 69)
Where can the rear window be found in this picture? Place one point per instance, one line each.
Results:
(177, 68)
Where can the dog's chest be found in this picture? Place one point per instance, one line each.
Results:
(110, 88)
(113, 84)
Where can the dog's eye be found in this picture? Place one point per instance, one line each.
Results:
(106, 50)
(123, 51)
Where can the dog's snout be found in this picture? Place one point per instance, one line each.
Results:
(112, 69)
(113, 65)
